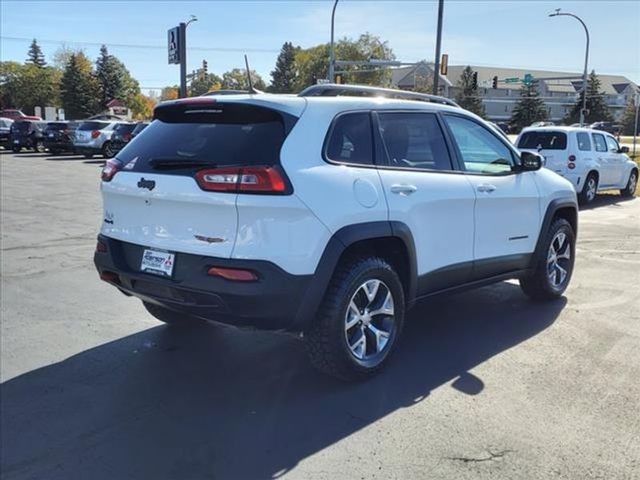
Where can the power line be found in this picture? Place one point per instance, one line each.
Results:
(141, 46)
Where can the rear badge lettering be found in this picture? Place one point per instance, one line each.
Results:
(202, 238)
(148, 184)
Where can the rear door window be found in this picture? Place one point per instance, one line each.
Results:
(230, 135)
(414, 141)
(584, 142)
(350, 139)
(543, 140)
(601, 144)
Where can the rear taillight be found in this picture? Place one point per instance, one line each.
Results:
(101, 247)
(110, 169)
(126, 137)
(234, 274)
(95, 134)
(243, 180)
(572, 158)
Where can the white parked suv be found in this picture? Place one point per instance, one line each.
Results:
(93, 137)
(329, 213)
(591, 160)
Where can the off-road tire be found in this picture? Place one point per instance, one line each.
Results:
(325, 339)
(538, 286)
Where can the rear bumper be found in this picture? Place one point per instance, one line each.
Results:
(271, 303)
(59, 145)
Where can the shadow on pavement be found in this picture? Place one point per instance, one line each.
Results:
(603, 200)
(219, 403)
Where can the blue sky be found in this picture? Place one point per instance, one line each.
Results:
(514, 33)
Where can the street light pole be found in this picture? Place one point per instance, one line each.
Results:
(183, 55)
(332, 54)
(436, 64)
(586, 61)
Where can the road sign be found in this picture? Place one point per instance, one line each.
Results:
(173, 44)
(511, 80)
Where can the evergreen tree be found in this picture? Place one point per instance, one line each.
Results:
(468, 96)
(529, 108)
(114, 79)
(35, 55)
(597, 107)
(79, 88)
(284, 75)
(629, 118)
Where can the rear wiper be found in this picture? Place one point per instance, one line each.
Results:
(168, 163)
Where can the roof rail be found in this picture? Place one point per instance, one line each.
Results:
(335, 90)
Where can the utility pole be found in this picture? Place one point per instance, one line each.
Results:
(332, 54)
(436, 64)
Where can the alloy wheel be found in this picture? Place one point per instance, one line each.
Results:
(591, 189)
(370, 321)
(633, 183)
(559, 260)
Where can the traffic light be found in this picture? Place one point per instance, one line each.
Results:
(494, 84)
(205, 67)
(474, 82)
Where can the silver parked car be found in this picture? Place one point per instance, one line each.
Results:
(93, 137)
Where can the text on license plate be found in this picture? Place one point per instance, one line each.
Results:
(157, 262)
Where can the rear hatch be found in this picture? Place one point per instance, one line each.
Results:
(176, 184)
(56, 131)
(551, 144)
(89, 130)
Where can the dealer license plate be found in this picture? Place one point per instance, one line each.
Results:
(157, 262)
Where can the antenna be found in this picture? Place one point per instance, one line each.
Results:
(246, 62)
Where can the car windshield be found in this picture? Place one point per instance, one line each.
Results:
(543, 140)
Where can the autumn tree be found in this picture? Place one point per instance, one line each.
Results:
(170, 93)
(236, 79)
(597, 109)
(204, 84)
(35, 55)
(142, 107)
(284, 75)
(468, 96)
(529, 108)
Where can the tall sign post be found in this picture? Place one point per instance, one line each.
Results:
(177, 50)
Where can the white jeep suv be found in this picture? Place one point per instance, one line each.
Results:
(591, 160)
(329, 213)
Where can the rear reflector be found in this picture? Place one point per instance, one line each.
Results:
(109, 277)
(234, 274)
(242, 180)
(95, 134)
(572, 158)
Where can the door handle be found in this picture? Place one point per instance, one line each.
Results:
(485, 187)
(403, 189)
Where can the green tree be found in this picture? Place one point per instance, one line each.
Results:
(529, 108)
(9, 75)
(37, 86)
(629, 118)
(284, 75)
(236, 79)
(142, 107)
(114, 79)
(35, 55)
(79, 88)
(313, 63)
(203, 84)
(468, 96)
(596, 104)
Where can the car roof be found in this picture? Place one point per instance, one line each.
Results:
(552, 128)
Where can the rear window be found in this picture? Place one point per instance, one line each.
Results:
(21, 126)
(543, 140)
(122, 128)
(584, 142)
(350, 139)
(230, 135)
(92, 125)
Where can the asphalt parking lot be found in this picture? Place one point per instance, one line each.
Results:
(486, 384)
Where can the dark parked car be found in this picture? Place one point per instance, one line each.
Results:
(120, 137)
(5, 128)
(58, 136)
(27, 134)
(608, 127)
(139, 127)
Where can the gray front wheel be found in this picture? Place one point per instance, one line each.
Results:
(632, 184)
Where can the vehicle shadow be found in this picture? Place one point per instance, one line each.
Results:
(220, 403)
(605, 199)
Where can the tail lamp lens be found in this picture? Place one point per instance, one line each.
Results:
(234, 274)
(110, 169)
(242, 180)
(95, 134)
(572, 158)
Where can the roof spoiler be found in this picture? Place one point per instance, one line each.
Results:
(335, 90)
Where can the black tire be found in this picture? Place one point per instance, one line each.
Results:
(589, 189)
(106, 150)
(630, 190)
(171, 317)
(539, 285)
(326, 340)
(16, 149)
(88, 155)
(39, 146)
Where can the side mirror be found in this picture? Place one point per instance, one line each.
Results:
(623, 150)
(530, 161)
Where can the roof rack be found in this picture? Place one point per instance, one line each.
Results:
(335, 90)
